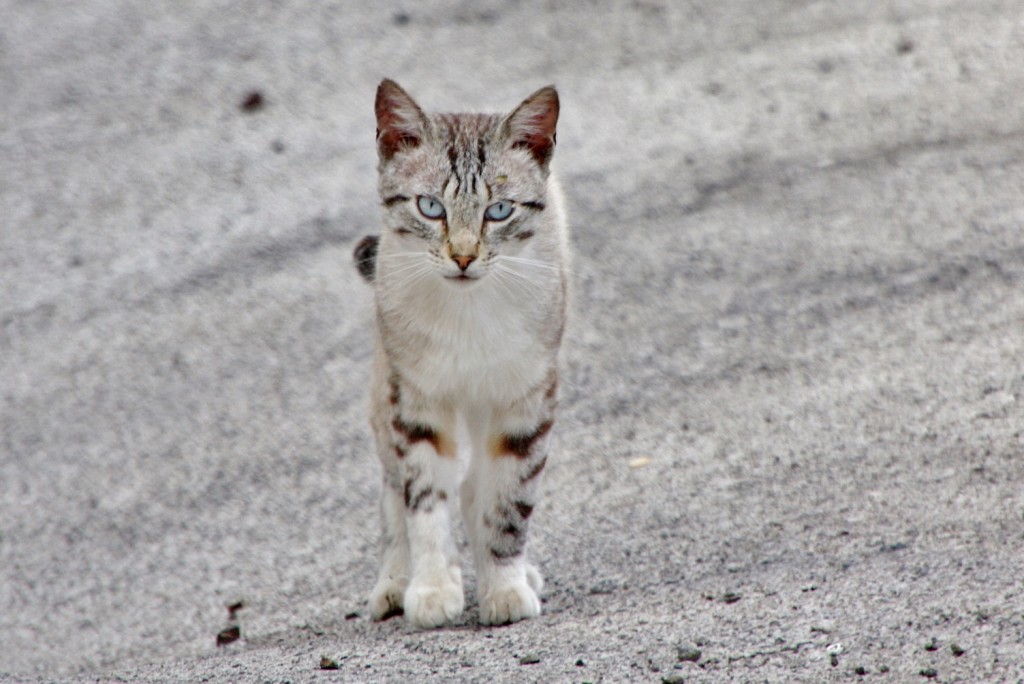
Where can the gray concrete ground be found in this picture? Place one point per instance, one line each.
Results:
(791, 434)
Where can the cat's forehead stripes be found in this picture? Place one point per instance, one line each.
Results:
(465, 137)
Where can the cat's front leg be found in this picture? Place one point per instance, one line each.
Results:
(506, 480)
(388, 596)
(423, 446)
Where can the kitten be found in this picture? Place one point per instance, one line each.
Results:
(470, 278)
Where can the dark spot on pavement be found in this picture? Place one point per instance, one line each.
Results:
(229, 635)
(252, 102)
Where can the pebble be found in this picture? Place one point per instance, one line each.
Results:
(529, 659)
(688, 653)
(833, 651)
(229, 635)
(328, 663)
(233, 608)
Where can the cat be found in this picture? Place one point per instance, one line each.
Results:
(471, 285)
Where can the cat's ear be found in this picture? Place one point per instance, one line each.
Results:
(531, 125)
(400, 121)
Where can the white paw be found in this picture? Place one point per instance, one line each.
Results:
(430, 605)
(511, 603)
(386, 599)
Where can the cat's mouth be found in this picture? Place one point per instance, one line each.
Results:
(462, 278)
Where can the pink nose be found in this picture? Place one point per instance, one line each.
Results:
(464, 261)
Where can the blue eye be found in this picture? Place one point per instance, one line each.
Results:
(430, 207)
(499, 211)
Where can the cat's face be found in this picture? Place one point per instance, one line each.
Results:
(461, 193)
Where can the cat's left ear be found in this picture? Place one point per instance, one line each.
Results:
(532, 124)
(400, 121)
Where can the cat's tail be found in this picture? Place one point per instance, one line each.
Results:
(365, 255)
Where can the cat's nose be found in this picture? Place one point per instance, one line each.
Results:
(464, 261)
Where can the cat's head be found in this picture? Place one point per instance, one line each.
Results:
(461, 191)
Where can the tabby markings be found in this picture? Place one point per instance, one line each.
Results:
(508, 530)
(533, 472)
(519, 445)
(417, 432)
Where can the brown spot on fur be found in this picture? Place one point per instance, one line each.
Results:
(442, 495)
(520, 446)
(416, 432)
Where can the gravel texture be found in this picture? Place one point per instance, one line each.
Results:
(792, 433)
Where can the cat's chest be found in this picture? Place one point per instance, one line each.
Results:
(476, 346)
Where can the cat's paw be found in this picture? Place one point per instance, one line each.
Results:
(511, 603)
(433, 604)
(386, 599)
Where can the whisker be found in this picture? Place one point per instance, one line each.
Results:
(503, 283)
(399, 255)
(536, 278)
(511, 286)
(534, 263)
(528, 262)
(404, 268)
(525, 285)
(524, 260)
(408, 279)
(406, 273)
(508, 268)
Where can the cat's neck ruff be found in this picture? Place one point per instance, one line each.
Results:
(474, 341)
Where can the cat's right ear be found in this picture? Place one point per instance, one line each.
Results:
(400, 121)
